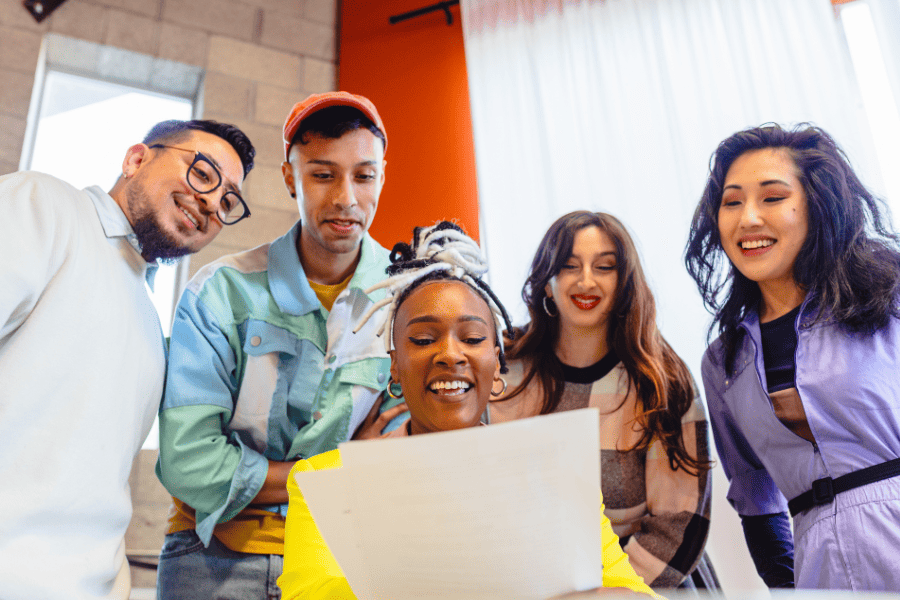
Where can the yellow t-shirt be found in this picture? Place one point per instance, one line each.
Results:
(311, 572)
(253, 530)
(327, 294)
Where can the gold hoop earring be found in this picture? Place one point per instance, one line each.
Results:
(390, 391)
(501, 392)
(546, 309)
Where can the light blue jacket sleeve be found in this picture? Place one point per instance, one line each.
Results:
(200, 463)
(751, 490)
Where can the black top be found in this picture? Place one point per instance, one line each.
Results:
(779, 343)
(590, 374)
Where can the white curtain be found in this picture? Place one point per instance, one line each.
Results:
(616, 106)
(872, 30)
(886, 17)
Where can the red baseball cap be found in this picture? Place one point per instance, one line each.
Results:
(317, 102)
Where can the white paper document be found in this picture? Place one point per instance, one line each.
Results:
(506, 511)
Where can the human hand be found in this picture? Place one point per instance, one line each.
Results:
(372, 426)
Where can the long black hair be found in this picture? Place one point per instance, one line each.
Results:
(849, 264)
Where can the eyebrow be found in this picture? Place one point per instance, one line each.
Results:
(433, 319)
(331, 163)
(761, 183)
(228, 183)
(211, 159)
(596, 256)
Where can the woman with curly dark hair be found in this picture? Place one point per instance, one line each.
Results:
(593, 341)
(797, 262)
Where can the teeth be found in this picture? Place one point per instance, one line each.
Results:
(190, 218)
(449, 385)
(756, 244)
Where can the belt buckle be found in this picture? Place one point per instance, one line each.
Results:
(822, 491)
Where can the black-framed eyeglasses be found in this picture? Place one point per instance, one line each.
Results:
(204, 177)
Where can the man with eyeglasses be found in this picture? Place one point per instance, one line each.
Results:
(82, 354)
(264, 368)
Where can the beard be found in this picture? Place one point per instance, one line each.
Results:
(156, 244)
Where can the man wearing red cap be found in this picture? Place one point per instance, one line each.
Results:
(263, 366)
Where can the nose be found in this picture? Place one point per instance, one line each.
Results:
(750, 216)
(450, 352)
(344, 195)
(209, 201)
(586, 280)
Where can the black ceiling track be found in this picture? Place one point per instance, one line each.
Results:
(444, 6)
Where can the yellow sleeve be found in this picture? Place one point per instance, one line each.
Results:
(310, 570)
(617, 571)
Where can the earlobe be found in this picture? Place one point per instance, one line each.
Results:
(383, 171)
(395, 373)
(287, 172)
(134, 158)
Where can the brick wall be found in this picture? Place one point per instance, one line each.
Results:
(260, 57)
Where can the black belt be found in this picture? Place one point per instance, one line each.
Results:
(824, 490)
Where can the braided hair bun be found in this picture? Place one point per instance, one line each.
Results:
(440, 252)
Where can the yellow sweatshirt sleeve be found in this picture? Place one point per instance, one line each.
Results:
(310, 570)
(617, 571)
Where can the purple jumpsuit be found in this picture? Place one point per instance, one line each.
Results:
(850, 388)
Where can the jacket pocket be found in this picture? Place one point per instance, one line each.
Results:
(268, 350)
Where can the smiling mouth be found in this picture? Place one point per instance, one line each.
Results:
(585, 302)
(191, 218)
(455, 387)
(754, 244)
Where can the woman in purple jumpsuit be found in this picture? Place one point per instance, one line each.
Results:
(797, 262)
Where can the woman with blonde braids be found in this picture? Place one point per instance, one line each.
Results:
(444, 326)
(593, 341)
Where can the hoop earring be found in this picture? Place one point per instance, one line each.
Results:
(546, 309)
(390, 390)
(501, 392)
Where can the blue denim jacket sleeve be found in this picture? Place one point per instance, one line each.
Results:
(751, 489)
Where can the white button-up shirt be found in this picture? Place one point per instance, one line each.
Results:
(82, 363)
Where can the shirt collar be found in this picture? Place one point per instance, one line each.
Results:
(115, 225)
(750, 322)
(288, 282)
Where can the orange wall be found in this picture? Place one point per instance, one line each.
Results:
(415, 73)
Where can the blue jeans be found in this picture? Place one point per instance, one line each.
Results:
(189, 571)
